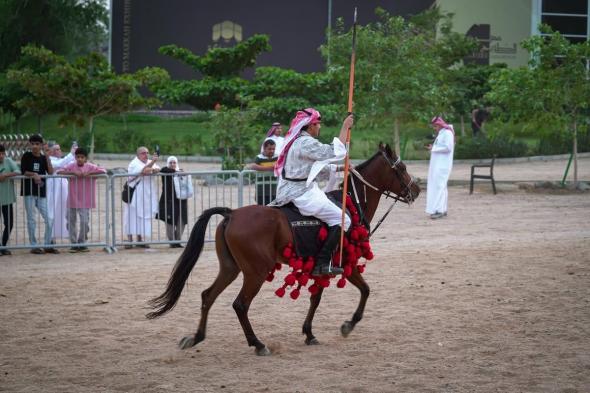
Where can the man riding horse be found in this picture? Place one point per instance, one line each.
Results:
(303, 161)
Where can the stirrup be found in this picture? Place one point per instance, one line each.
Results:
(320, 270)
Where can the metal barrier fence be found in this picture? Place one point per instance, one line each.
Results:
(44, 219)
(153, 213)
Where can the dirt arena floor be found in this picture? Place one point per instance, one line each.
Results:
(493, 298)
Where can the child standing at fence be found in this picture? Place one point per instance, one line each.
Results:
(8, 169)
(81, 196)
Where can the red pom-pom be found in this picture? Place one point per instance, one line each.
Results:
(323, 234)
(298, 265)
(347, 271)
(303, 279)
(308, 267)
(324, 282)
(363, 233)
(280, 292)
(369, 255)
(336, 258)
(270, 277)
(278, 266)
(365, 245)
(287, 252)
(355, 219)
(361, 268)
(341, 283)
(345, 242)
(290, 279)
(350, 249)
(294, 294)
(354, 235)
(313, 289)
(358, 252)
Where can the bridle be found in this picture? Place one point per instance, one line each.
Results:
(388, 194)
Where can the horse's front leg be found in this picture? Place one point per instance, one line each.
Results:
(358, 281)
(314, 302)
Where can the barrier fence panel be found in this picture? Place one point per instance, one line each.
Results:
(58, 213)
(155, 214)
(81, 212)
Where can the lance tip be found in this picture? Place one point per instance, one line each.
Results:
(354, 14)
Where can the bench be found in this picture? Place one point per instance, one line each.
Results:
(483, 176)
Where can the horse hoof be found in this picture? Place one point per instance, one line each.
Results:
(346, 328)
(312, 341)
(187, 342)
(264, 351)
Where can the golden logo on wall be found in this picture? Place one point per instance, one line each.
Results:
(227, 31)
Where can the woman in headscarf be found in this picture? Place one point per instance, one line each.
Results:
(441, 164)
(303, 160)
(173, 210)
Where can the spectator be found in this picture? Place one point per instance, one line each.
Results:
(266, 184)
(274, 134)
(478, 118)
(57, 194)
(141, 209)
(441, 164)
(173, 205)
(81, 196)
(34, 165)
(8, 169)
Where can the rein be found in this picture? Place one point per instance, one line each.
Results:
(388, 194)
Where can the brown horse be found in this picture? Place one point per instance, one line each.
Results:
(251, 239)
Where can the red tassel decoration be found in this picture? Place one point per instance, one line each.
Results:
(280, 292)
(341, 283)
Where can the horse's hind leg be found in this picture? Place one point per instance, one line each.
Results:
(228, 271)
(358, 281)
(241, 305)
(314, 302)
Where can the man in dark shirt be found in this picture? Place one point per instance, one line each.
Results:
(33, 164)
(266, 183)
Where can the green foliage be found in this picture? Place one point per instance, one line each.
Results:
(68, 27)
(204, 93)
(236, 135)
(83, 89)
(222, 62)
(482, 147)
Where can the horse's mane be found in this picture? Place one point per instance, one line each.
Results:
(382, 148)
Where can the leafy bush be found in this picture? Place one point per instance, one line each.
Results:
(561, 143)
(500, 146)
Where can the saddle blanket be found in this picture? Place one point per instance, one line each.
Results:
(305, 229)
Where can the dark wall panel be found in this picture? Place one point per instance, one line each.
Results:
(296, 28)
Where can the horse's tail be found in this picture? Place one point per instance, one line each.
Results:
(187, 260)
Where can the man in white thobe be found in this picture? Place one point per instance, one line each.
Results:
(274, 134)
(57, 191)
(441, 164)
(303, 161)
(139, 212)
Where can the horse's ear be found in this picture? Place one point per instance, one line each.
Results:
(381, 146)
(388, 151)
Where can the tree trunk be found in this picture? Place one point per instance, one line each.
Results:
(462, 125)
(396, 140)
(575, 151)
(91, 129)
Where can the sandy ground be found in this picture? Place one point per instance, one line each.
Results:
(493, 298)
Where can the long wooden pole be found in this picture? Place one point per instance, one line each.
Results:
(347, 158)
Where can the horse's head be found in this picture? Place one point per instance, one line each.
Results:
(389, 175)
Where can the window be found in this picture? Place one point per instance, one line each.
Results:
(570, 18)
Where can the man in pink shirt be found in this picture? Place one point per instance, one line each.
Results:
(81, 196)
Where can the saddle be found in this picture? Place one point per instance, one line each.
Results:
(305, 229)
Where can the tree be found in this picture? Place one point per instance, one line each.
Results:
(553, 91)
(469, 85)
(400, 68)
(84, 89)
(67, 27)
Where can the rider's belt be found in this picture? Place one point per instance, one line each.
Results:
(286, 178)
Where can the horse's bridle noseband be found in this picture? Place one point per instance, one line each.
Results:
(394, 166)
